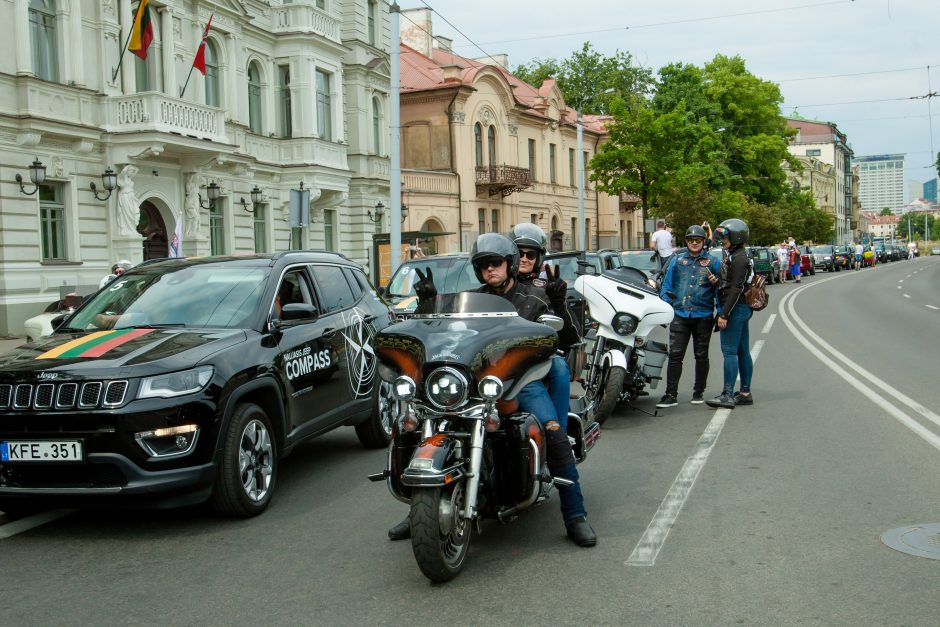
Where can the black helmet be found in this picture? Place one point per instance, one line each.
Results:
(490, 245)
(695, 231)
(528, 235)
(734, 230)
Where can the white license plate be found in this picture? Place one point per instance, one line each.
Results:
(41, 451)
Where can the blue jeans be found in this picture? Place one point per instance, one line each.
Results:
(736, 349)
(559, 389)
(534, 399)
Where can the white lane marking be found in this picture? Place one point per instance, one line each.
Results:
(31, 522)
(901, 281)
(891, 408)
(908, 276)
(907, 296)
(899, 287)
(932, 307)
(649, 546)
(769, 323)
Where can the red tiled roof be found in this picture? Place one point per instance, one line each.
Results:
(421, 73)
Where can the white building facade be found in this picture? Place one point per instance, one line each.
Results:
(881, 182)
(294, 92)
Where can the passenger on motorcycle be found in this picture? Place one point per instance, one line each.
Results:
(690, 286)
(495, 260)
(532, 242)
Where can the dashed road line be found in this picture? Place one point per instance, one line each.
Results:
(932, 307)
(31, 522)
(907, 296)
(769, 323)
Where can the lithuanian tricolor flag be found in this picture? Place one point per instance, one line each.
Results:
(94, 344)
(142, 31)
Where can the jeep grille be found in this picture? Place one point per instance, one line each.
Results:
(59, 396)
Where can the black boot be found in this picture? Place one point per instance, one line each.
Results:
(401, 531)
(580, 532)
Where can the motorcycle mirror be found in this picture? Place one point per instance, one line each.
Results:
(554, 322)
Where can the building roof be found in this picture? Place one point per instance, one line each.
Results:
(892, 219)
(445, 70)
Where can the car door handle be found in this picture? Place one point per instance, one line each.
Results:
(328, 333)
(369, 319)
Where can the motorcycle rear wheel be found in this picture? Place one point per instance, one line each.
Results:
(440, 536)
(606, 392)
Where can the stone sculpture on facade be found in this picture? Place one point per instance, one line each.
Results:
(191, 224)
(128, 206)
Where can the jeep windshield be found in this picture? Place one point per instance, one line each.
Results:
(198, 296)
(451, 275)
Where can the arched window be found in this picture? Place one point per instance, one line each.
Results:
(254, 98)
(42, 39)
(478, 143)
(491, 144)
(554, 223)
(376, 126)
(212, 75)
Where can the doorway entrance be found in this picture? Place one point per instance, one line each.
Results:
(152, 227)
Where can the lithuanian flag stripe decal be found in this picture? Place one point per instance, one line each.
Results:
(94, 345)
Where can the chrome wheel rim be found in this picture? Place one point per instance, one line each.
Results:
(256, 460)
(387, 407)
(453, 526)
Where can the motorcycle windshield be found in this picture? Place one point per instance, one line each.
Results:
(466, 304)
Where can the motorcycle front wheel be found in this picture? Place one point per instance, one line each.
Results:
(606, 392)
(440, 535)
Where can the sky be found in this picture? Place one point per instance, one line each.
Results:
(828, 56)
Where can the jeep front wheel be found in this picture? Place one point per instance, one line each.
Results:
(247, 472)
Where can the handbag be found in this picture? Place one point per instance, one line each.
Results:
(756, 295)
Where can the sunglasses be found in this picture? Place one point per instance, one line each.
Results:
(529, 254)
(694, 240)
(486, 264)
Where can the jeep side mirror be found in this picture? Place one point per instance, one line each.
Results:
(298, 311)
(586, 267)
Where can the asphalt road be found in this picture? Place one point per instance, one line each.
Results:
(770, 514)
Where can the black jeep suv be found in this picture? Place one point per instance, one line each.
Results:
(189, 379)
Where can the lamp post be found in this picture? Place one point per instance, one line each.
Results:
(212, 191)
(582, 242)
(108, 181)
(256, 197)
(379, 212)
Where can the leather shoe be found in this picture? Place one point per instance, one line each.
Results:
(401, 531)
(581, 532)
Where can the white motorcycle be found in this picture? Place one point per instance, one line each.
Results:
(622, 357)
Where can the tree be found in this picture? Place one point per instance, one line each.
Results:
(886, 212)
(536, 71)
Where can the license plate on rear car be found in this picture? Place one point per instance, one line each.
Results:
(41, 451)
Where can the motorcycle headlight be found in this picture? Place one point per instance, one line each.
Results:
(446, 388)
(403, 389)
(624, 323)
(490, 388)
(175, 383)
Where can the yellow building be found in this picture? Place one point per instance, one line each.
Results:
(481, 151)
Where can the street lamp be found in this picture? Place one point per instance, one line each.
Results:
(581, 234)
(108, 181)
(212, 191)
(256, 197)
(404, 213)
(37, 175)
(379, 212)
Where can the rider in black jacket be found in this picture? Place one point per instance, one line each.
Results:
(734, 315)
(495, 260)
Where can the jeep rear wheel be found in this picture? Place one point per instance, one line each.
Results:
(247, 472)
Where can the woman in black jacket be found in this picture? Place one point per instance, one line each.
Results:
(734, 315)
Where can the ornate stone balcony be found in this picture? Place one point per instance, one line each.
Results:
(628, 202)
(305, 18)
(429, 182)
(502, 179)
(296, 151)
(153, 111)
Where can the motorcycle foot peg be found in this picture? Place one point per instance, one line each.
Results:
(380, 476)
(562, 483)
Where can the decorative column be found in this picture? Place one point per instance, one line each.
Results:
(232, 90)
(126, 19)
(24, 62)
(168, 48)
(76, 48)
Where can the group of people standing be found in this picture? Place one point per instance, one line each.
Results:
(707, 295)
(789, 256)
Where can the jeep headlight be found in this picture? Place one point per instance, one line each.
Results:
(446, 388)
(624, 323)
(175, 383)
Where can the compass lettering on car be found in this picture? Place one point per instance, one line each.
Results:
(361, 354)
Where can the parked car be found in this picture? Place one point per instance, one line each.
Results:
(807, 263)
(189, 380)
(846, 256)
(881, 254)
(934, 251)
(825, 257)
(645, 262)
(605, 259)
(766, 263)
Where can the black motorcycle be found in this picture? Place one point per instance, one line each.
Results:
(461, 451)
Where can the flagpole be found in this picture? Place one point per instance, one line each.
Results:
(202, 42)
(130, 32)
(183, 90)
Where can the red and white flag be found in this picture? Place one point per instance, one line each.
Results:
(200, 61)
